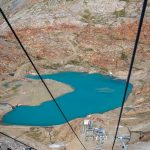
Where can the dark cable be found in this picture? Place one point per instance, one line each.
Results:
(17, 140)
(26, 53)
(131, 66)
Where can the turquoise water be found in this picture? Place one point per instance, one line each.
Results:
(93, 93)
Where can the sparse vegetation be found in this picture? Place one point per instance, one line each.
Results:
(46, 66)
(120, 13)
(38, 57)
(16, 87)
(117, 37)
(87, 16)
(142, 81)
(114, 37)
(128, 108)
(74, 43)
(6, 85)
(34, 133)
(99, 19)
(75, 62)
(125, 0)
(55, 66)
(88, 49)
(104, 69)
(123, 56)
(12, 74)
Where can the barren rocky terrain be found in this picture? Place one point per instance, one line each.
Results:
(75, 35)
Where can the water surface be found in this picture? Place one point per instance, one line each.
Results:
(93, 93)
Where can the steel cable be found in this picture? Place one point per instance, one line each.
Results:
(35, 68)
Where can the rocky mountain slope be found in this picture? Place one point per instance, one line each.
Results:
(76, 35)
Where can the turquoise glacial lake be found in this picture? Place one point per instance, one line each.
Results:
(93, 93)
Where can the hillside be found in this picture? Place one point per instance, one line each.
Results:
(75, 35)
